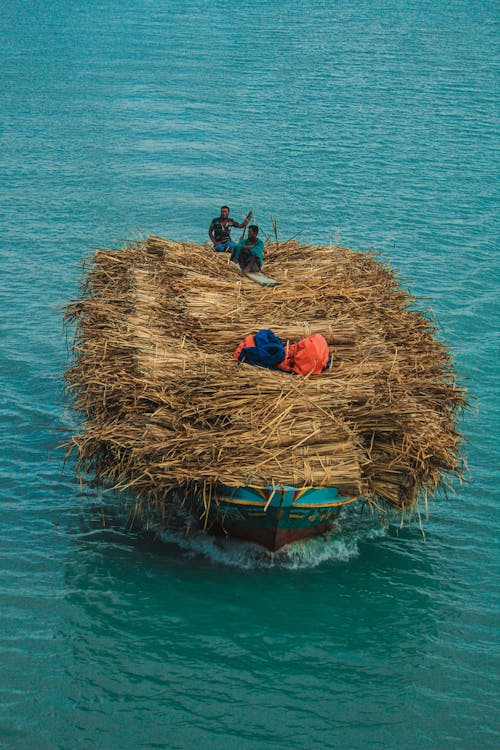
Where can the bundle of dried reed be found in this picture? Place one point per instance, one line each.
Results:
(167, 407)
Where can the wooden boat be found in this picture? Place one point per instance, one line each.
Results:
(166, 406)
(273, 516)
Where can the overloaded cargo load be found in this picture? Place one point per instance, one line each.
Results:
(169, 411)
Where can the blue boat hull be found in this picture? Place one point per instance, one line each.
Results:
(273, 516)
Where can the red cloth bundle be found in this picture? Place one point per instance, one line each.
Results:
(309, 355)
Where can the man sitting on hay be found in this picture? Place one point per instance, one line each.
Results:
(249, 253)
(220, 230)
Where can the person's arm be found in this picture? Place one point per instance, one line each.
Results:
(240, 226)
(211, 232)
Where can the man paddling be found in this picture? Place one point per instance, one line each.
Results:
(220, 228)
(249, 253)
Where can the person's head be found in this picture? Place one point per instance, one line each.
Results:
(253, 231)
(224, 212)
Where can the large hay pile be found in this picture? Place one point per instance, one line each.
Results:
(167, 406)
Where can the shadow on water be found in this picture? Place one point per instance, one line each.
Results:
(105, 513)
(355, 541)
(357, 554)
(201, 625)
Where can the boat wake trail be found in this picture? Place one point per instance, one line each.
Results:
(339, 545)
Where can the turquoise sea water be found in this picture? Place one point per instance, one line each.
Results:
(375, 123)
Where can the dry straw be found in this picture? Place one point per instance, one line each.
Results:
(167, 408)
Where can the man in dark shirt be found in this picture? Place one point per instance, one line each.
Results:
(220, 228)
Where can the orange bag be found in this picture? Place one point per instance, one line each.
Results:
(309, 355)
